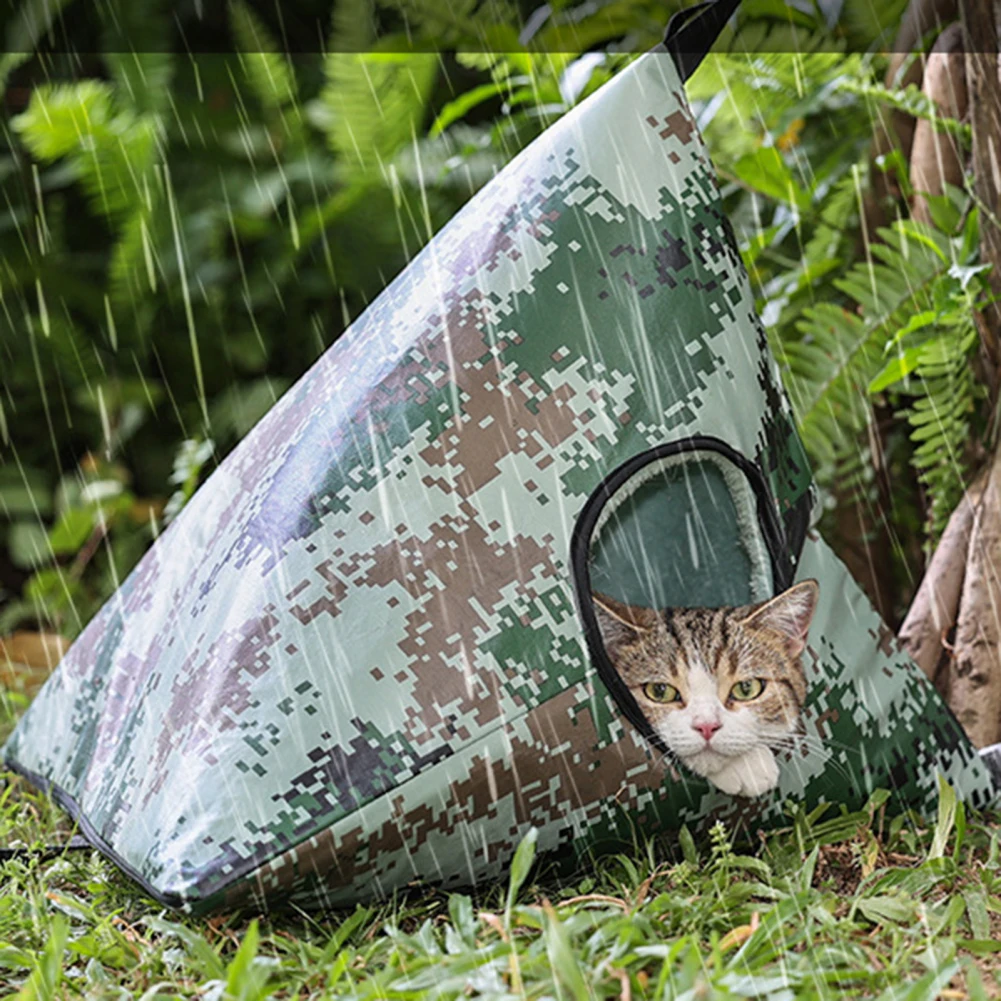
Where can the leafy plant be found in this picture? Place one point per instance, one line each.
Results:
(835, 904)
(930, 365)
(100, 530)
(185, 236)
(889, 407)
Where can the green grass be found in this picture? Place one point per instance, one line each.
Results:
(834, 906)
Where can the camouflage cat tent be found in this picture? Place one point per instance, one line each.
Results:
(358, 656)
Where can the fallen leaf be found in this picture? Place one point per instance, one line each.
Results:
(494, 922)
(740, 934)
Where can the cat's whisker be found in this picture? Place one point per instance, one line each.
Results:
(814, 744)
(812, 739)
(795, 739)
(802, 747)
(798, 742)
(825, 744)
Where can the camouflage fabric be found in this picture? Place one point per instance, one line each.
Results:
(355, 656)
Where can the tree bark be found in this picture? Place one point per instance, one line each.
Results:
(933, 613)
(982, 27)
(896, 128)
(936, 157)
(974, 680)
(968, 672)
(920, 19)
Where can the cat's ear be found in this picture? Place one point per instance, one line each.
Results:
(619, 622)
(789, 613)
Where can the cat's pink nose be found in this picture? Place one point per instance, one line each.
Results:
(706, 729)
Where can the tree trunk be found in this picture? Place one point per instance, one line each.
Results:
(982, 26)
(973, 681)
(933, 613)
(936, 157)
(967, 670)
(896, 129)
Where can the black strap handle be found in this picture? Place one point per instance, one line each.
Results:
(991, 757)
(691, 32)
(46, 852)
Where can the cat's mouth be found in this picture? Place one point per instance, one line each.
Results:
(720, 746)
(707, 760)
(710, 758)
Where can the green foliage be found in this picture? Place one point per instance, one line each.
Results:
(188, 463)
(111, 153)
(912, 102)
(487, 24)
(170, 223)
(140, 64)
(99, 530)
(907, 324)
(43, 985)
(373, 103)
(185, 235)
(837, 904)
(931, 366)
(524, 856)
(269, 74)
(32, 22)
(841, 346)
(875, 388)
(871, 26)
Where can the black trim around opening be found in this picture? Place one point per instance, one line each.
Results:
(580, 556)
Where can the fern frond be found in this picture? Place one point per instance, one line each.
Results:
(144, 76)
(353, 28)
(32, 21)
(945, 393)
(135, 267)
(835, 216)
(912, 102)
(870, 27)
(269, 73)
(840, 349)
(113, 154)
(783, 295)
(57, 116)
(374, 103)
(133, 43)
(459, 22)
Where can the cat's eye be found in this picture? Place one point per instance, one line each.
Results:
(658, 691)
(749, 688)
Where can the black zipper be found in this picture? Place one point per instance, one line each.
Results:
(96, 839)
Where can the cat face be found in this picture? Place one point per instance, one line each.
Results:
(715, 683)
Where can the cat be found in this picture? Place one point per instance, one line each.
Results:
(721, 686)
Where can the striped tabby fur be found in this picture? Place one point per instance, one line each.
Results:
(723, 687)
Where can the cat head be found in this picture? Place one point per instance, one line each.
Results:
(714, 683)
